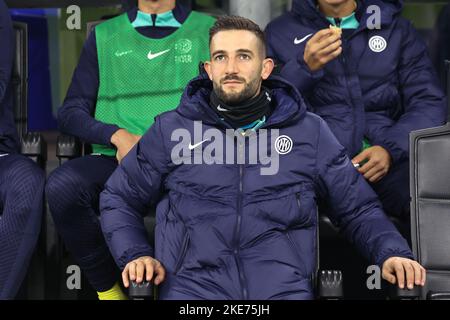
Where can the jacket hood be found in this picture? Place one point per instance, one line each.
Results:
(389, 9)
(195, 101)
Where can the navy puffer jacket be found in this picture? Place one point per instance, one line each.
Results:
(224, 231)
(383, 85)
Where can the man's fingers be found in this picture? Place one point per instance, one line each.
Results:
(417, 273)
(335, 53)
(325, 42)
(161, 273)
(140, 269)
(149, 270)
(388, 274)
(400, 274)
(420, 274)
(370, 173)
(377, 176)
(119, 155)
(390, 278)
(324, 60)
(364, 155)
(125, 276)
(321, 34)
(143, 269)
(132, 271)
(331, 51)
(424, 275)
(331, 48)
(409, 274)
(369, 165)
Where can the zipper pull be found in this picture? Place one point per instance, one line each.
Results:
(338, 22)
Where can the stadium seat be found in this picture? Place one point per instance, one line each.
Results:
(32, 143)
(33, 146)
(328, 287)
(329, 284)
(430, 206)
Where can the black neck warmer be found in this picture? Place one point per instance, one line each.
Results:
(244, 113)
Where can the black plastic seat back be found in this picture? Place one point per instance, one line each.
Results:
(430, 207)
(20, 77)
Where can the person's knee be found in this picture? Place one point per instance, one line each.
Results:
(66, 188)
(24, 192)
(400, 183)
(25, 179)
(63, 189)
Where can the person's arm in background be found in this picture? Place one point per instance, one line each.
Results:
(306, 69)
(356, 210)
(439, 43)
(76, 115)
(424, 102)
(7, 50)
(129, 193)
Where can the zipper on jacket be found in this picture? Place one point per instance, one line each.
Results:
(238, 225)
(307, 219)
(347, 77)
(183, 252)
(297, 195)
(338, 21)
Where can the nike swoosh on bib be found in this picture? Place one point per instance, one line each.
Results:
(296, 41)
(152, 56)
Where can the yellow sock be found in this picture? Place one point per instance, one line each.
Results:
(115, 293)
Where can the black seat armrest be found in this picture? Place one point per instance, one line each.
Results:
(143, 291)
(67, 148)
(34, 146)
(434, 295)
(395, 293)
(330, 285)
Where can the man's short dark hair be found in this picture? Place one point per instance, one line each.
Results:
(227, 23)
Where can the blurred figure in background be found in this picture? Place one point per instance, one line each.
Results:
(439, 43)
(372, 86)
(21, 180)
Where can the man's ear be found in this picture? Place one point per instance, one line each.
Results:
(267, 69)
(207, 66)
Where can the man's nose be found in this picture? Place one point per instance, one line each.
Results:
(231, 67)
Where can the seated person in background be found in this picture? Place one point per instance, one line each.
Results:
(21, 180)
(228, 226)
(372, 86)
(439, 42)
(132, 68)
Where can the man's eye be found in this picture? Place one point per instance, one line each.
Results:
(219, 58)
(244, 57)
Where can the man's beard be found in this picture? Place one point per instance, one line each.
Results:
(249, 91)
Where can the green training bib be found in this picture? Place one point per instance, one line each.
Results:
(142, 77)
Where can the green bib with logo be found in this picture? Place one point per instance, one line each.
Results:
(142, 77)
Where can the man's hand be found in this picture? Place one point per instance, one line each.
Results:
(377, 165)
(135, 270)
(323, 47)
(395, 268)
(124, 141)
